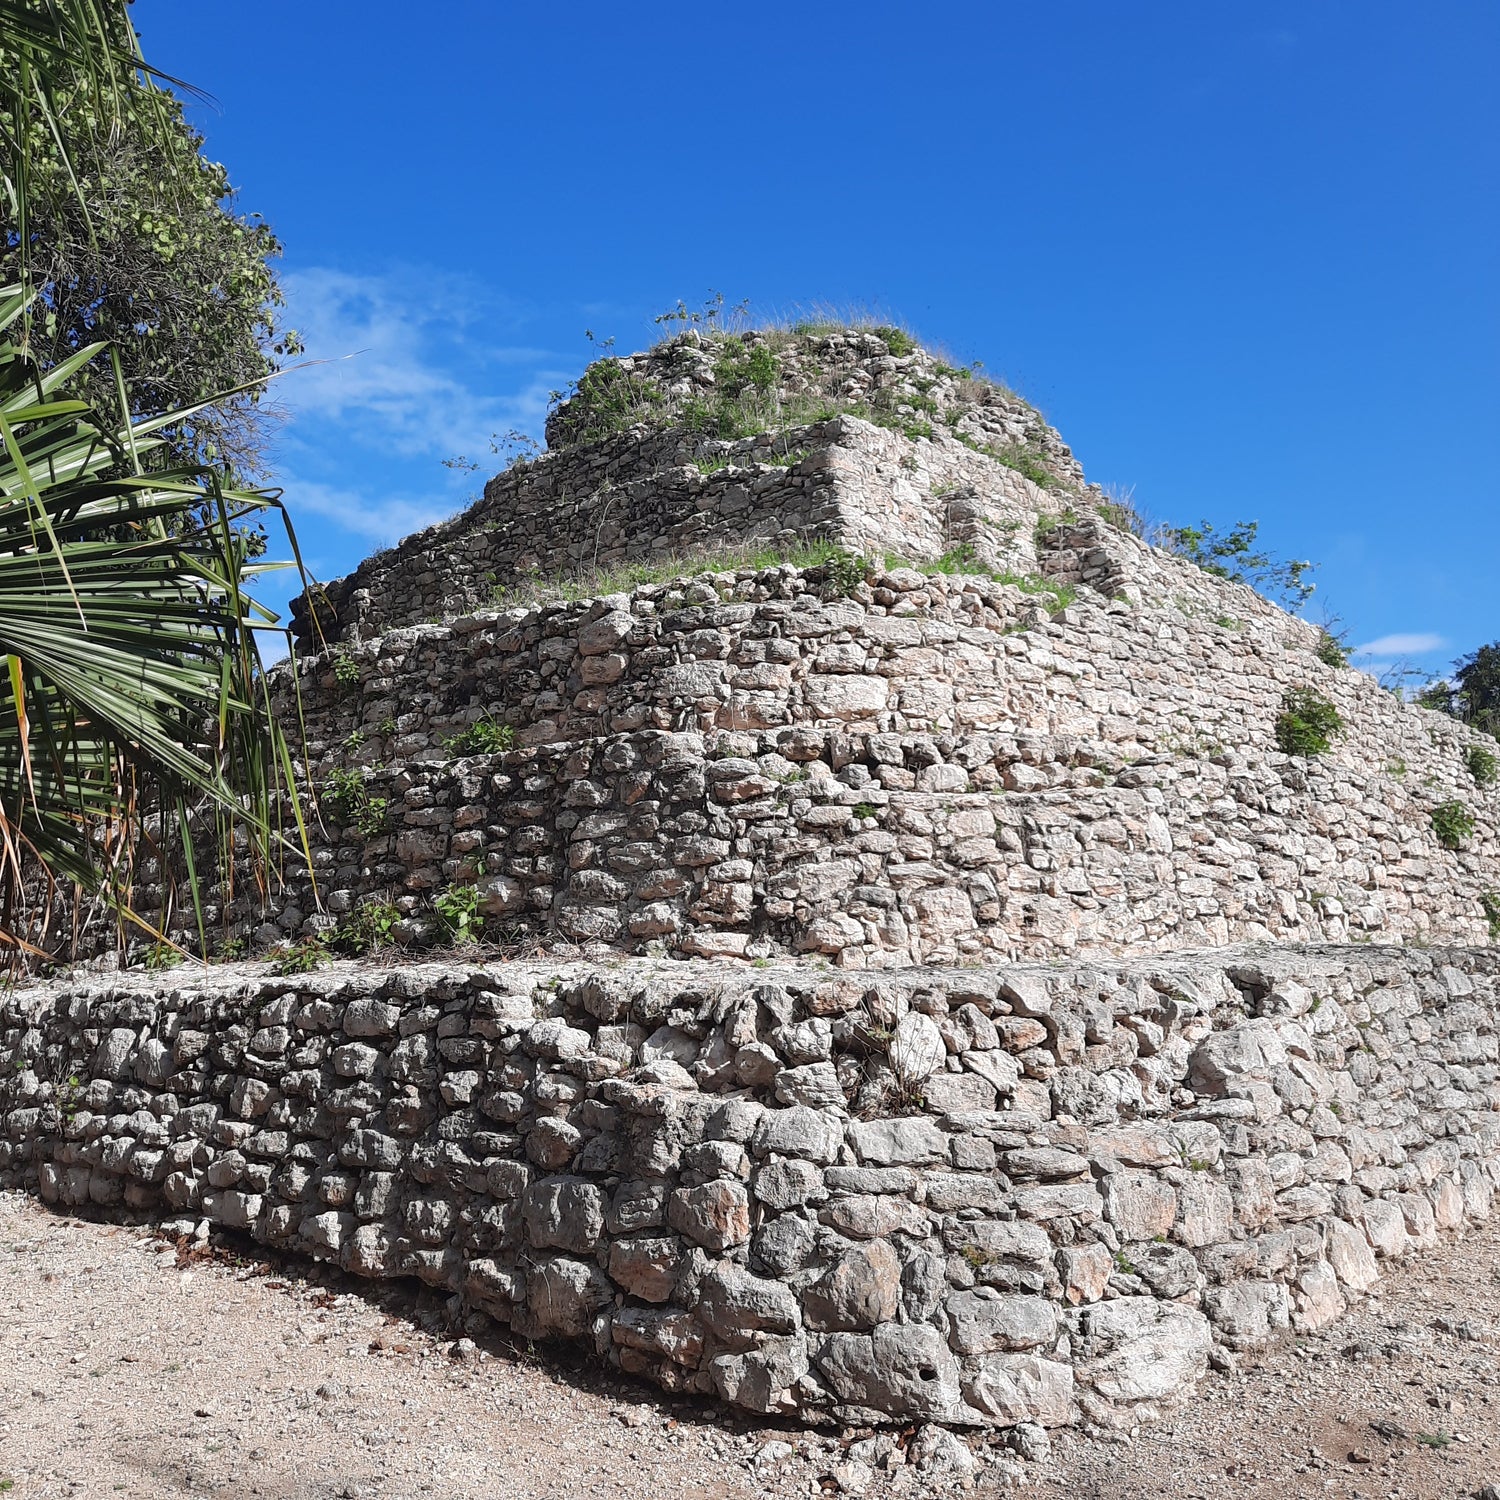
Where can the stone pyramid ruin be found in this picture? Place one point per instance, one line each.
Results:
(957, 962)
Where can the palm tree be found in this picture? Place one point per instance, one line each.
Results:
(135, 727)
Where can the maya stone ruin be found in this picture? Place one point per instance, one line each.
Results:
(937, 995)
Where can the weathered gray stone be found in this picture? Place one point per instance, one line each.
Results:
(860, 1290)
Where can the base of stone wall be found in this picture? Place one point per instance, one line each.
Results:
(1032, 1193)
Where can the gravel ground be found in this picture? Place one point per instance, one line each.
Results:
(137, 1368)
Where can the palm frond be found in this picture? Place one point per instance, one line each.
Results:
(133, 706)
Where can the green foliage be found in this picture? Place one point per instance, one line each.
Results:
(897, 340)
(1331, 650)
(846, 571)
(301, 957)
(457, 909)
(1026, 461)
(1473, 692)
(1307, 723)
(1118, 510)
(138, 242)
(370, 926)
(1233, 555)
(134, 674)
(345, 669)
(864, 810)
(1482, 764)
(1047, 524)
(483, 737)
(1489, 904)
(348, 799)
(959, 559)
(606, 399)
(1453, 823)
(162, 955)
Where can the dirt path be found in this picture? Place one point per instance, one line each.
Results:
(125, 1373)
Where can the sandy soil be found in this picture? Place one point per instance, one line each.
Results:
(137, 1368)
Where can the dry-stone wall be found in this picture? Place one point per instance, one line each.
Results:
(931, 768)
(979, 1196)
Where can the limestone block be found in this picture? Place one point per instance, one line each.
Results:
(1012, 1388)
(984, 1321)
(1141, 1207)
(646, 1266)
(715, 1215)
(860, 1290)
(736, 1305)
(894, 1369)
(563, 1213)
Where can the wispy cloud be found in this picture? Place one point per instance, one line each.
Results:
(1416, 643)
(381, 518)
(412, 364)
(412, 367)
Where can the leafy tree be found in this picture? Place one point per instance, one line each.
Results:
(1233, 554)
(1473, 692)
(131, 235)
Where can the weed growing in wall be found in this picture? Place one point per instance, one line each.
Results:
(897, 340)
(370, 926)
(483, 737)
(345, 669)
(300, 957)
(1307, 724)
(1482, 764)
(457, 909)
(1489, 904)
(352, 806)
(1453, 824)
(1330, 649)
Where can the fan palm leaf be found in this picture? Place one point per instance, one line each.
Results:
(134, 714)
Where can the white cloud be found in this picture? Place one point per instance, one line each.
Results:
(410, 364)
(1417, 643)
(383, 519)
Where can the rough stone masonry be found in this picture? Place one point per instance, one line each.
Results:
(976, 1196)
(961, 1009)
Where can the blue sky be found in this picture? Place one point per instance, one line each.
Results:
(1243, 256)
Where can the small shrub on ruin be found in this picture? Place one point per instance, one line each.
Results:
(1331, 650)
(1233, 554)
(345, 669)
(1482, 764)
(457, 909)
(1307, 724)
(162, 955)
(370, 926)
(300, 957)
(845, 572)
(483, 737)
(1489, 904)
(349, 801)
(897, 340)
(1453, 824)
